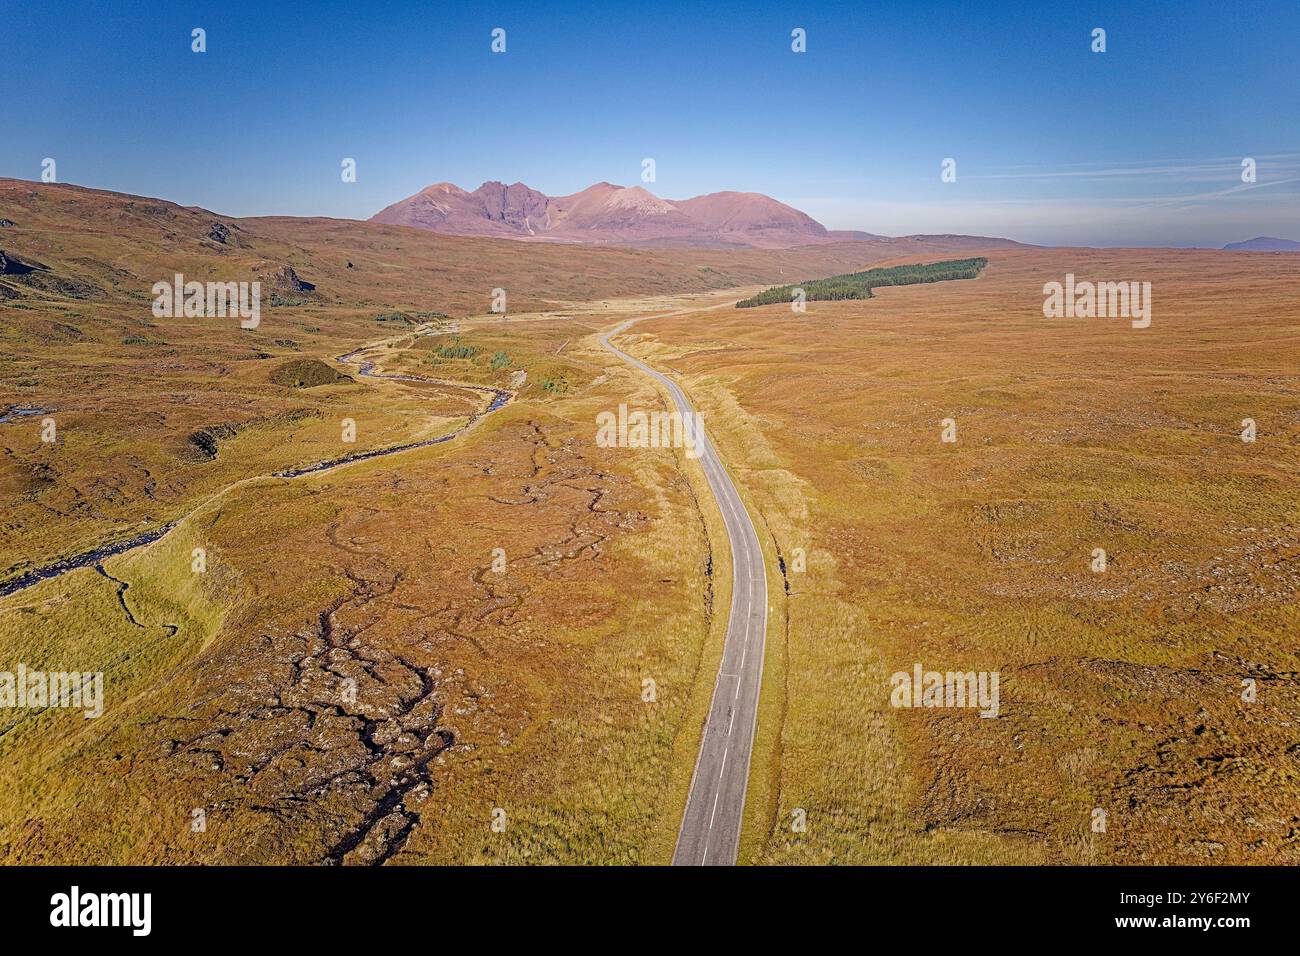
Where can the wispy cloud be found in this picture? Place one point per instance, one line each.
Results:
(1173, 171)
(1220, 193)
(1139, 202)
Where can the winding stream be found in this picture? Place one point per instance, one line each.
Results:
(366, 368)
(17, 412)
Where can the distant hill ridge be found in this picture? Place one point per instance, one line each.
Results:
(67, 242)
(1265, 244)
(606, 213)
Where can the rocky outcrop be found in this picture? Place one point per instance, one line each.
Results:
(282, 278)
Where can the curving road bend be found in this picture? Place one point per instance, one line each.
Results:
(715, 808)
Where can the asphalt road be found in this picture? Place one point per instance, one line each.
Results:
(710, 830)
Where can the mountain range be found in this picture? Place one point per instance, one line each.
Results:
(610, 214)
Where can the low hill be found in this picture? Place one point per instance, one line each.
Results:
(1265, 244)
(306, 373)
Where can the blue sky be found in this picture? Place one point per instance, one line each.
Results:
(1140, 145)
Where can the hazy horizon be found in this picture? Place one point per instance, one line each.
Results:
(853, 131)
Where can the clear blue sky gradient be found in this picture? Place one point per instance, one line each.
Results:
(1141, 145)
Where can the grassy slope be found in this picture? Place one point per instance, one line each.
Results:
(124, 411)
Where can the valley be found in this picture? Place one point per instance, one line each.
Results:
(365, 588)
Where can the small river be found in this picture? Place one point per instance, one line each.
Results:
(366, 368)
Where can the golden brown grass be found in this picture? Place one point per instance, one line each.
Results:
(1121, 690)
(128, 390)
(522, 690)
(535, 674)
(226, 691)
